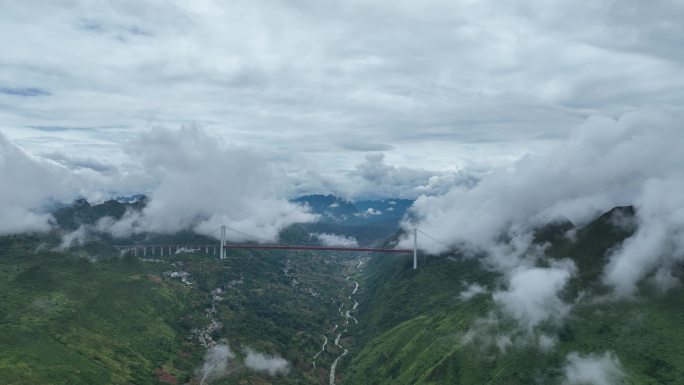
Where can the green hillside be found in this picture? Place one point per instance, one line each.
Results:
(417, 327)
(87, 316)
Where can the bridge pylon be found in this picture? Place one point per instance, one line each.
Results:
(223, 242)
(415, 248)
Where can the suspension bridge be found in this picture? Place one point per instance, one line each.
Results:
(153, 250)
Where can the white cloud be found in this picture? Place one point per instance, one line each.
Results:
(27, 185)
(272, 365)
(658, 244)
(215, 363)
(471, 291)
(376, 178)
(605, 163)
(546, 342)
(476, 83)
(200, 183)
(372, 211)
(336, 240)
(593, 369)
(532, 296)
(76, 237)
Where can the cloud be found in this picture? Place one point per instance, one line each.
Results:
(215, 364)
(632, 160)
(272, 365)
(336, 240)
(76, 237)
(282, 77)
(374, 178)
(366, 146)
(200, 183)
(23, 91)
(593, 369)
(76, 163)
(532, 296)
(372, 211)
(657, 245)
(605, 163)
(380, 179)
(471, 291)
(28, 185)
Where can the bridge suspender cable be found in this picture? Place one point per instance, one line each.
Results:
(415, 248)
(225, 246)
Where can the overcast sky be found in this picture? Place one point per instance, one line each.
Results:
(313, 86)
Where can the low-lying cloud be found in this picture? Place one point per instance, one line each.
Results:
(376, 178)
(74, 238)
(194, 181)
(658, 244)
(202, 183)
(471, 291)
(336, 240)
(270, 364)
(593, 369)
(215, 364)
(532, 295)
(635, 159)
(28, 184)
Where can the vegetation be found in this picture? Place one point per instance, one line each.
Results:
(88, 316)
(419, 331)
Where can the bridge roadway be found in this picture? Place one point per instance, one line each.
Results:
(212, 249)
(323, 248)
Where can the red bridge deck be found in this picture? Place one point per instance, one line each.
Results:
(322, 248)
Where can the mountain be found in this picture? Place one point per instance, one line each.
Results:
(419, 329)
(77, 317)
(368, 221)
(131, 198)
(338, 210)
(81, 212)
(89, 316)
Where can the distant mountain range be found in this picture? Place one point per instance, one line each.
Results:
(441, 324)
(333, 209)
(419, 330)
(368, 221)
(81, 212)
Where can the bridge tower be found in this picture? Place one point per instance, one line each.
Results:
(223, 243)
(415, 248)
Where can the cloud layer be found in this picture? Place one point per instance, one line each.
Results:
(202, 183)
(25, 189)
(215, 363)
(633, 160)
(193, 181)
(439, 84)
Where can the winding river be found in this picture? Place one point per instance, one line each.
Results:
(347, 316)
